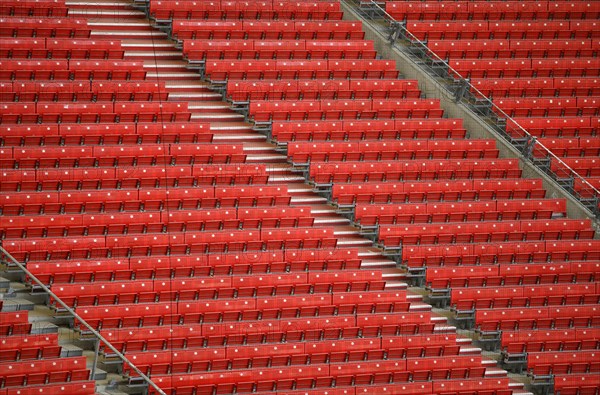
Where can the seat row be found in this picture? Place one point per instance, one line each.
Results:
(551, 340)
(48, 69)
(504, 29)
(571, 146)
(121, 133)
(238, 292)
(376, 150)
(421, 256)
(266, 30)
(76, 91)
(585, 167)
(220, 241)
(357, 89)
(49, 27)
(249, 217)
(224, 70)
(269, 111)
(306, 10)
(60, 48)
(327, 173)
(447, 277)
(308, 355)
(115, 152)
(485, 231)
(470, 298)
(372, 215)
(293, 330)
(200, 50)
(349, 195)
(491, 10)
(556, 126)
(501, 48)
(158, 314)
(525, 87)
(46, 371)
(347, 130)
(276, 263)
(39, 8)
(549, 107)
(130, 223)
(93, 112)
(232, 196)
(526, 67)
(567, 316)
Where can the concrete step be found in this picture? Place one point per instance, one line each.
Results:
(149, 56)
(131, 28)
(264, 158)
(70, 350)
(173, 76)
(196, 96)
(104, 13)
(236, 138)
(111, 34)
(216, 117)
(4, 283)
(42, 327)
(17, 304)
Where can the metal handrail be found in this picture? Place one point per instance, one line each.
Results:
(81, 320)
(376, 8)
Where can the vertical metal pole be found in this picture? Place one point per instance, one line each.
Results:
(95, 363)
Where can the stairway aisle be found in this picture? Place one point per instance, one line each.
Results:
(163, 61)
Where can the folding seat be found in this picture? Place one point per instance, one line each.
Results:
(552, 48)
(38, 8)
(75, 388)
(496, 10)
(106, 70)
(557, 127)
(22, 48)
(375, 89)
(417, 108)
(235, 70)
(225, 10)
(84, 49)
(538, 107)
(275, 217)
(416, 11)
(270, 30)
(13, 26)
(576, 383)
(578, 10)
(27, 69)
(14, 323)
(483, 385)
(30, 347)
(375, 69)
(493, 68)
(452, 30)
(270, 49)
(578, 67)
(536, 29)
(21, 370)
(307, 10)
(537, 361)
(447, 49)
(129, 90)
